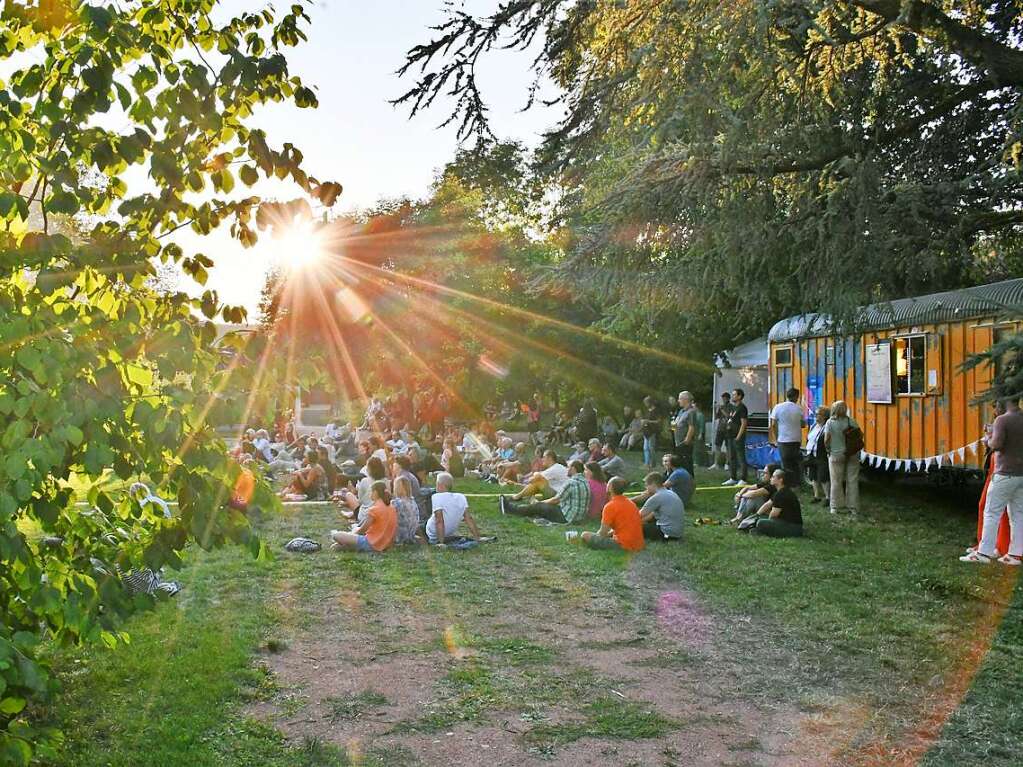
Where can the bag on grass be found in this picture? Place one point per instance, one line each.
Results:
(302, 546)
(748, 524)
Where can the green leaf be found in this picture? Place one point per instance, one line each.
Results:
(73, 435)
(248, 175)
(11, 705)
(63, 202)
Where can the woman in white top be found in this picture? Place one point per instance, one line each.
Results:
(844, 469)
(362, 499)
(817, 457)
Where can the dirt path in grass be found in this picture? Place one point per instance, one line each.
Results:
(546, 674)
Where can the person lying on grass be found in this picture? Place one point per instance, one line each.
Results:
(663, 514)
(449, 511)
(378, 530)
(780, 517)
(550, 479)
(569, 505)
(750, 498)
(620, 525)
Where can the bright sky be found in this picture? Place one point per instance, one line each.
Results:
(356, 137)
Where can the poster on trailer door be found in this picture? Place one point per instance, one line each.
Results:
(879, 373)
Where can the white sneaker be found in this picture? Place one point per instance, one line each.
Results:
(729, 483)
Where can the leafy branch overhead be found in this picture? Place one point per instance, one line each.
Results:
(120, 124)
(756, 155)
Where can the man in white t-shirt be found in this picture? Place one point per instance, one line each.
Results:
(449, 510)
(786, 430)
(550, 480)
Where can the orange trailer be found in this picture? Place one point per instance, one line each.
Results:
(900, 373)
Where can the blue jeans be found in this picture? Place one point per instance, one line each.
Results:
(649, 447)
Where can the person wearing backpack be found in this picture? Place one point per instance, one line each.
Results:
(843, 439)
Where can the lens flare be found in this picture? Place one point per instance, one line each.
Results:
(299, 246)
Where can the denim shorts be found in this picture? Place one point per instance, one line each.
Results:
(362, 544)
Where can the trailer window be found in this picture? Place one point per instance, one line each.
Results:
(783, 357)
(911, 364)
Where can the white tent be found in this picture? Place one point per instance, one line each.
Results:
(745, 367)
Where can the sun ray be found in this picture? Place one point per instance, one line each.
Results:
(537, 317)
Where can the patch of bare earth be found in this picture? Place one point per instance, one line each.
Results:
(670, 657)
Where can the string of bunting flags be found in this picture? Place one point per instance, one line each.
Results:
(920, 464)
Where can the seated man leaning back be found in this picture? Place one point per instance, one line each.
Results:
(569, 505)
(549, 480)
(449, 510)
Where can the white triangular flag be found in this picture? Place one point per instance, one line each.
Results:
(928, 461)
(939, 459)
(974, 446)
(962, 454)
(898, 465)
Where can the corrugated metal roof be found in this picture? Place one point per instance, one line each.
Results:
(751, 354)
(950, 306)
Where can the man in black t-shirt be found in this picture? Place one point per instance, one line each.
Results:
(735, 440)
(780, 517)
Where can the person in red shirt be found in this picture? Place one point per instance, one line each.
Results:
(621, 528)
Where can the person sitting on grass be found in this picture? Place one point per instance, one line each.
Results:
(569, 505)
(780, 517)
(676, 478)
(511, 470)
(579, 452)
(329, 469)
(612, 463)
(663, 514)
(620, 525)
(549, 480)
(310, 480)
(362, 498)
(401, 466)
(633, 430)
(407, 509)
(597, 480)
(378, 530)
(449, 510)
(750, 498)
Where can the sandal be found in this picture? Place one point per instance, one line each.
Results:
(1011, 559)
(975, 557)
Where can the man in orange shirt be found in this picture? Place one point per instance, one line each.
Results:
(621, 528)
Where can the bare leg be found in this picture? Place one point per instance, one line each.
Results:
(345, 540)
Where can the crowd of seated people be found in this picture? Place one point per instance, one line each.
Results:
(379, 474)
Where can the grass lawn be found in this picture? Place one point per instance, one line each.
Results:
(856, 645)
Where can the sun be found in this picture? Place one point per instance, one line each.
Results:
(299, 246)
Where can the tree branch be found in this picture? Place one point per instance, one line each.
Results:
(1002, 63)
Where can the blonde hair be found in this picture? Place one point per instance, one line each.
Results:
(839, 409)
(402, 487)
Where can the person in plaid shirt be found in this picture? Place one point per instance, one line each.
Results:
(569, 505)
